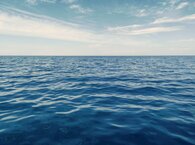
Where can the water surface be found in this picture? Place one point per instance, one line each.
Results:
(97, 100)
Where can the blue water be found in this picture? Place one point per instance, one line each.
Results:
(97, 100)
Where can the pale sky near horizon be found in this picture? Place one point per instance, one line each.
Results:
(97, 27)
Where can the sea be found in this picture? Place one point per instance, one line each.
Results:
(82, 100)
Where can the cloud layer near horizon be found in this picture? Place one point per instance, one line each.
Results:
(133, 39)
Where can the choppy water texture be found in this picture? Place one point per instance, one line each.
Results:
(97, 100)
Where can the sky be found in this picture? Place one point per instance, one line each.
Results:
(97, 27)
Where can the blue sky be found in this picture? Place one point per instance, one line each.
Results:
(97, 27)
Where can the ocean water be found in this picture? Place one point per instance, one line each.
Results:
(97, 100)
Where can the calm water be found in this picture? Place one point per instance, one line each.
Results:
(97, 100)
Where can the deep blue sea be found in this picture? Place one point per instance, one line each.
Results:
(97, 100)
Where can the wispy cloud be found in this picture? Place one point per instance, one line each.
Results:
(80, 9)
(141, 13)
(69, 1)
(26, 25)
(30, 25)
(83, 37)
(73, 5)
(152, 30)
(20, 23)
(173, 20)
(152, 27)
(140, 30)
(34, 2)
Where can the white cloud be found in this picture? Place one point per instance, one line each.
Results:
(83, 42)
(141, 30)
(26, 25)
(182, 5)
(34, 2)
(76, 7)
(20, 23)
(173, 2)
(173, 20)
(141, 13)
(153, 30)
(80, 9)
(123, 28)
(69, 1)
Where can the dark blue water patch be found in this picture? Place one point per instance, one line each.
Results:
(97, 100)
